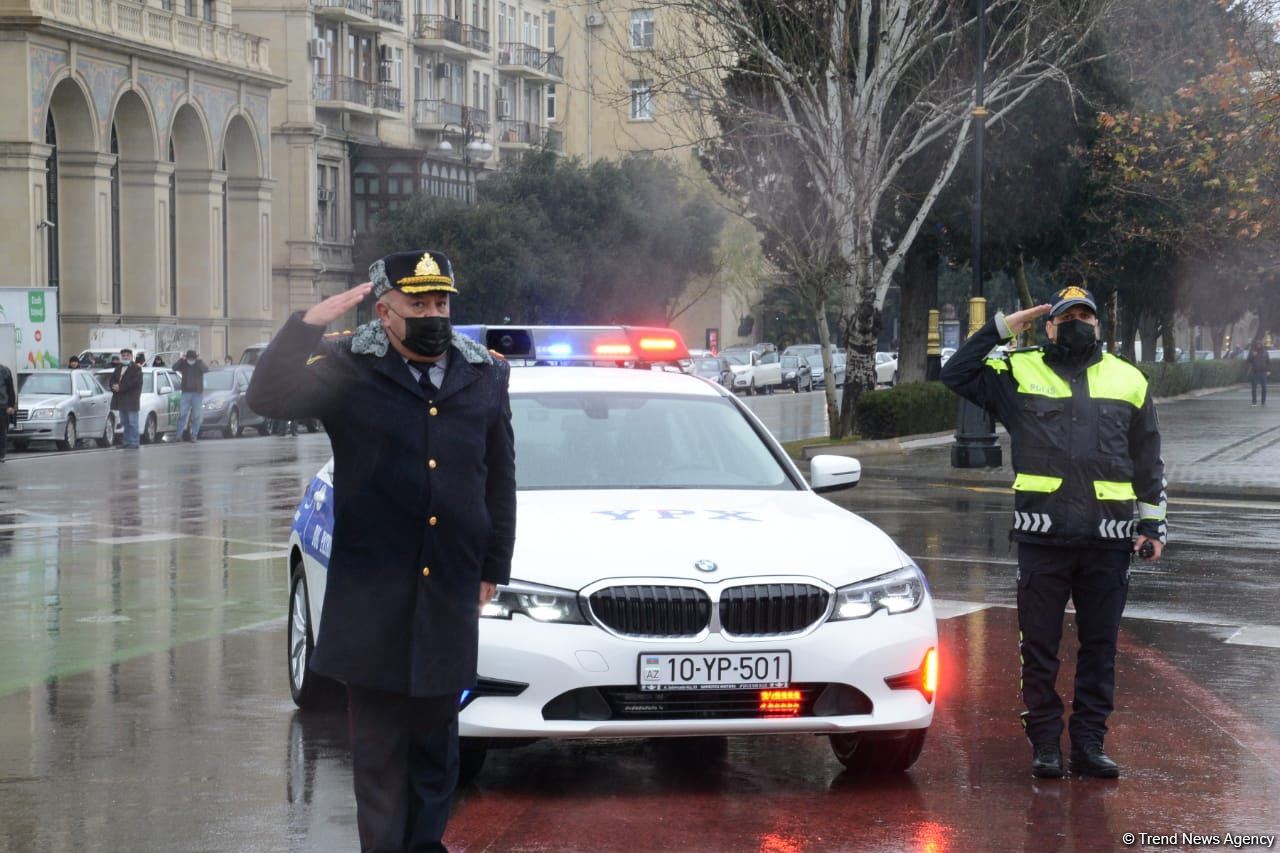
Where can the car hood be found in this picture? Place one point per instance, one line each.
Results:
(570, 539)
(740, 368)
(28, 401)
(217, 396)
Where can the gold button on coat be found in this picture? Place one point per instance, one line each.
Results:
(431, 463)
(433, 521)
(425, 571)
(433, 411)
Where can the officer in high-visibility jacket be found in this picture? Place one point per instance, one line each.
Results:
(1086, 446)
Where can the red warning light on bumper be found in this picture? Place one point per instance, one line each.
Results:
(780, 703)
(924, 679)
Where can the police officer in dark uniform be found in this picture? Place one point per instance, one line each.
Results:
(1086, 446)
(424, 526)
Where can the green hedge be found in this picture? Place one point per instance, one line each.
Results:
(924, 407)
(1169, 380)
(909, 409)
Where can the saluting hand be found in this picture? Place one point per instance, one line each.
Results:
(335, 306)
(1019, 321)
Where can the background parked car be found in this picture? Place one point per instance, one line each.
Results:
(754, 372)
(62, 406)
(225, 408)
(714, 368)
(796, 374)
(158, 411)
(886, 368)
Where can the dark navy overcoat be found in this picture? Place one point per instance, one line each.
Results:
(424, 503)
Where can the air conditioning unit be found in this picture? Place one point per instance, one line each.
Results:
(384, 53)
(595, 19)
(444, 70)
(384, 73)
(325, 194)
(316, 49)
(504, 108)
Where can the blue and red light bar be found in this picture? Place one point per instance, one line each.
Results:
(578, 344)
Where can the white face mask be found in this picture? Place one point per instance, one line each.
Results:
(191, 361)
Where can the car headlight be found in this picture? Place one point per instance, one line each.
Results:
(791, 374)
(540, 603)
(41, 414)
(214, 405)
(899, 591)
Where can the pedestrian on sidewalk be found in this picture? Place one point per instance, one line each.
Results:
(191, 407)
(126, 396)
(8, 405)
(420, 421)
(1259, 370)
(1086, 445)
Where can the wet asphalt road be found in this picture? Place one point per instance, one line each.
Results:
(144, 706)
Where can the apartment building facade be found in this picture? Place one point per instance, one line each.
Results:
(614, 105)
(388, 99)
(136, 153)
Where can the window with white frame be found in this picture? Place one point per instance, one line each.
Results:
(642, 29)
(641, 100)
(397, 68)
(551, 31)
(551, 103)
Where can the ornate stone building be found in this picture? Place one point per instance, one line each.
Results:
(135, 166)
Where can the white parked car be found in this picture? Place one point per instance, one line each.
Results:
(754, 372)
(158, 404)
(886, 368)
(63, 406)
(674, 575)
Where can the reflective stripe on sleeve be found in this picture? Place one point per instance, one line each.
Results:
(1151, 512)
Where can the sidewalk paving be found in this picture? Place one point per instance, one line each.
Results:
(1214, 445)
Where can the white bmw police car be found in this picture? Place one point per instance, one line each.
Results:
(673, 575)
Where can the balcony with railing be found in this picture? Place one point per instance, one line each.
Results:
(389, 11)
(349, 92)
(343, 8)
(145, 24)
(433, 114)
(516, 132)
(450, 35)
(529, 61)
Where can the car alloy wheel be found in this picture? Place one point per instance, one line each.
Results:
(69, 437)
(108, 433)
(310, 691)
(233, 424)
(149, 435)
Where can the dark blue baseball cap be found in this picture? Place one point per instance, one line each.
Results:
(1069, 296)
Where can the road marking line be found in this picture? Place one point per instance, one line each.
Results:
(1262, 636)
(260, 555)
(946, 609)
(35, 525)
(142, 537)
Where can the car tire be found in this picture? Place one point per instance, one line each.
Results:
(751, 389)
(311, 692)
(312, 426)
(472, 753)
(108, 434)
(70, 439)
(878, 753)
(149, 433)
(233, 424)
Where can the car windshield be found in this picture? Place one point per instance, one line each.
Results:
(54, 384)
(814, 360)
(790, 362)
(736, 357)
(711, 365)
(629, 441)
(219, 380)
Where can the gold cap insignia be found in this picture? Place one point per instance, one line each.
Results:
(427, 266)
(1072, 293)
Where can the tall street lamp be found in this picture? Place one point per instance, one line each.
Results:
(474, 146)
(976, 445)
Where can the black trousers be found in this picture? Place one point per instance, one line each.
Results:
(1097, 581)
(4, 429)
(404, 756)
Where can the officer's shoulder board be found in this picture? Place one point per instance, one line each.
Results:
(332, 341)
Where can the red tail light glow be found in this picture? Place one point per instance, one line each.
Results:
(780, 703)
(924, 679)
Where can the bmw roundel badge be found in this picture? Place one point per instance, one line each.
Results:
(705, 566)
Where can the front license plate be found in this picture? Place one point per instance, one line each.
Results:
(715, 671)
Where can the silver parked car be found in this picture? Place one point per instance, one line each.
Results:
(158, 404)
(225, 408)
(62, 406)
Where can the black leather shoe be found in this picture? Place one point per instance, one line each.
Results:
(1046, 762)
(1092, 761)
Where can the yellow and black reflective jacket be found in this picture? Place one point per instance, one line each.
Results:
(1086, 441)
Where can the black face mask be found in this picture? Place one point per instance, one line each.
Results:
(427, 336)
(1076, 338)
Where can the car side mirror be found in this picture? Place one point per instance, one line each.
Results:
(830, 473)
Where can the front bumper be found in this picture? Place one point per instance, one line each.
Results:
(555, 659)
(214, 418)
(741, 380)
(37, 430)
